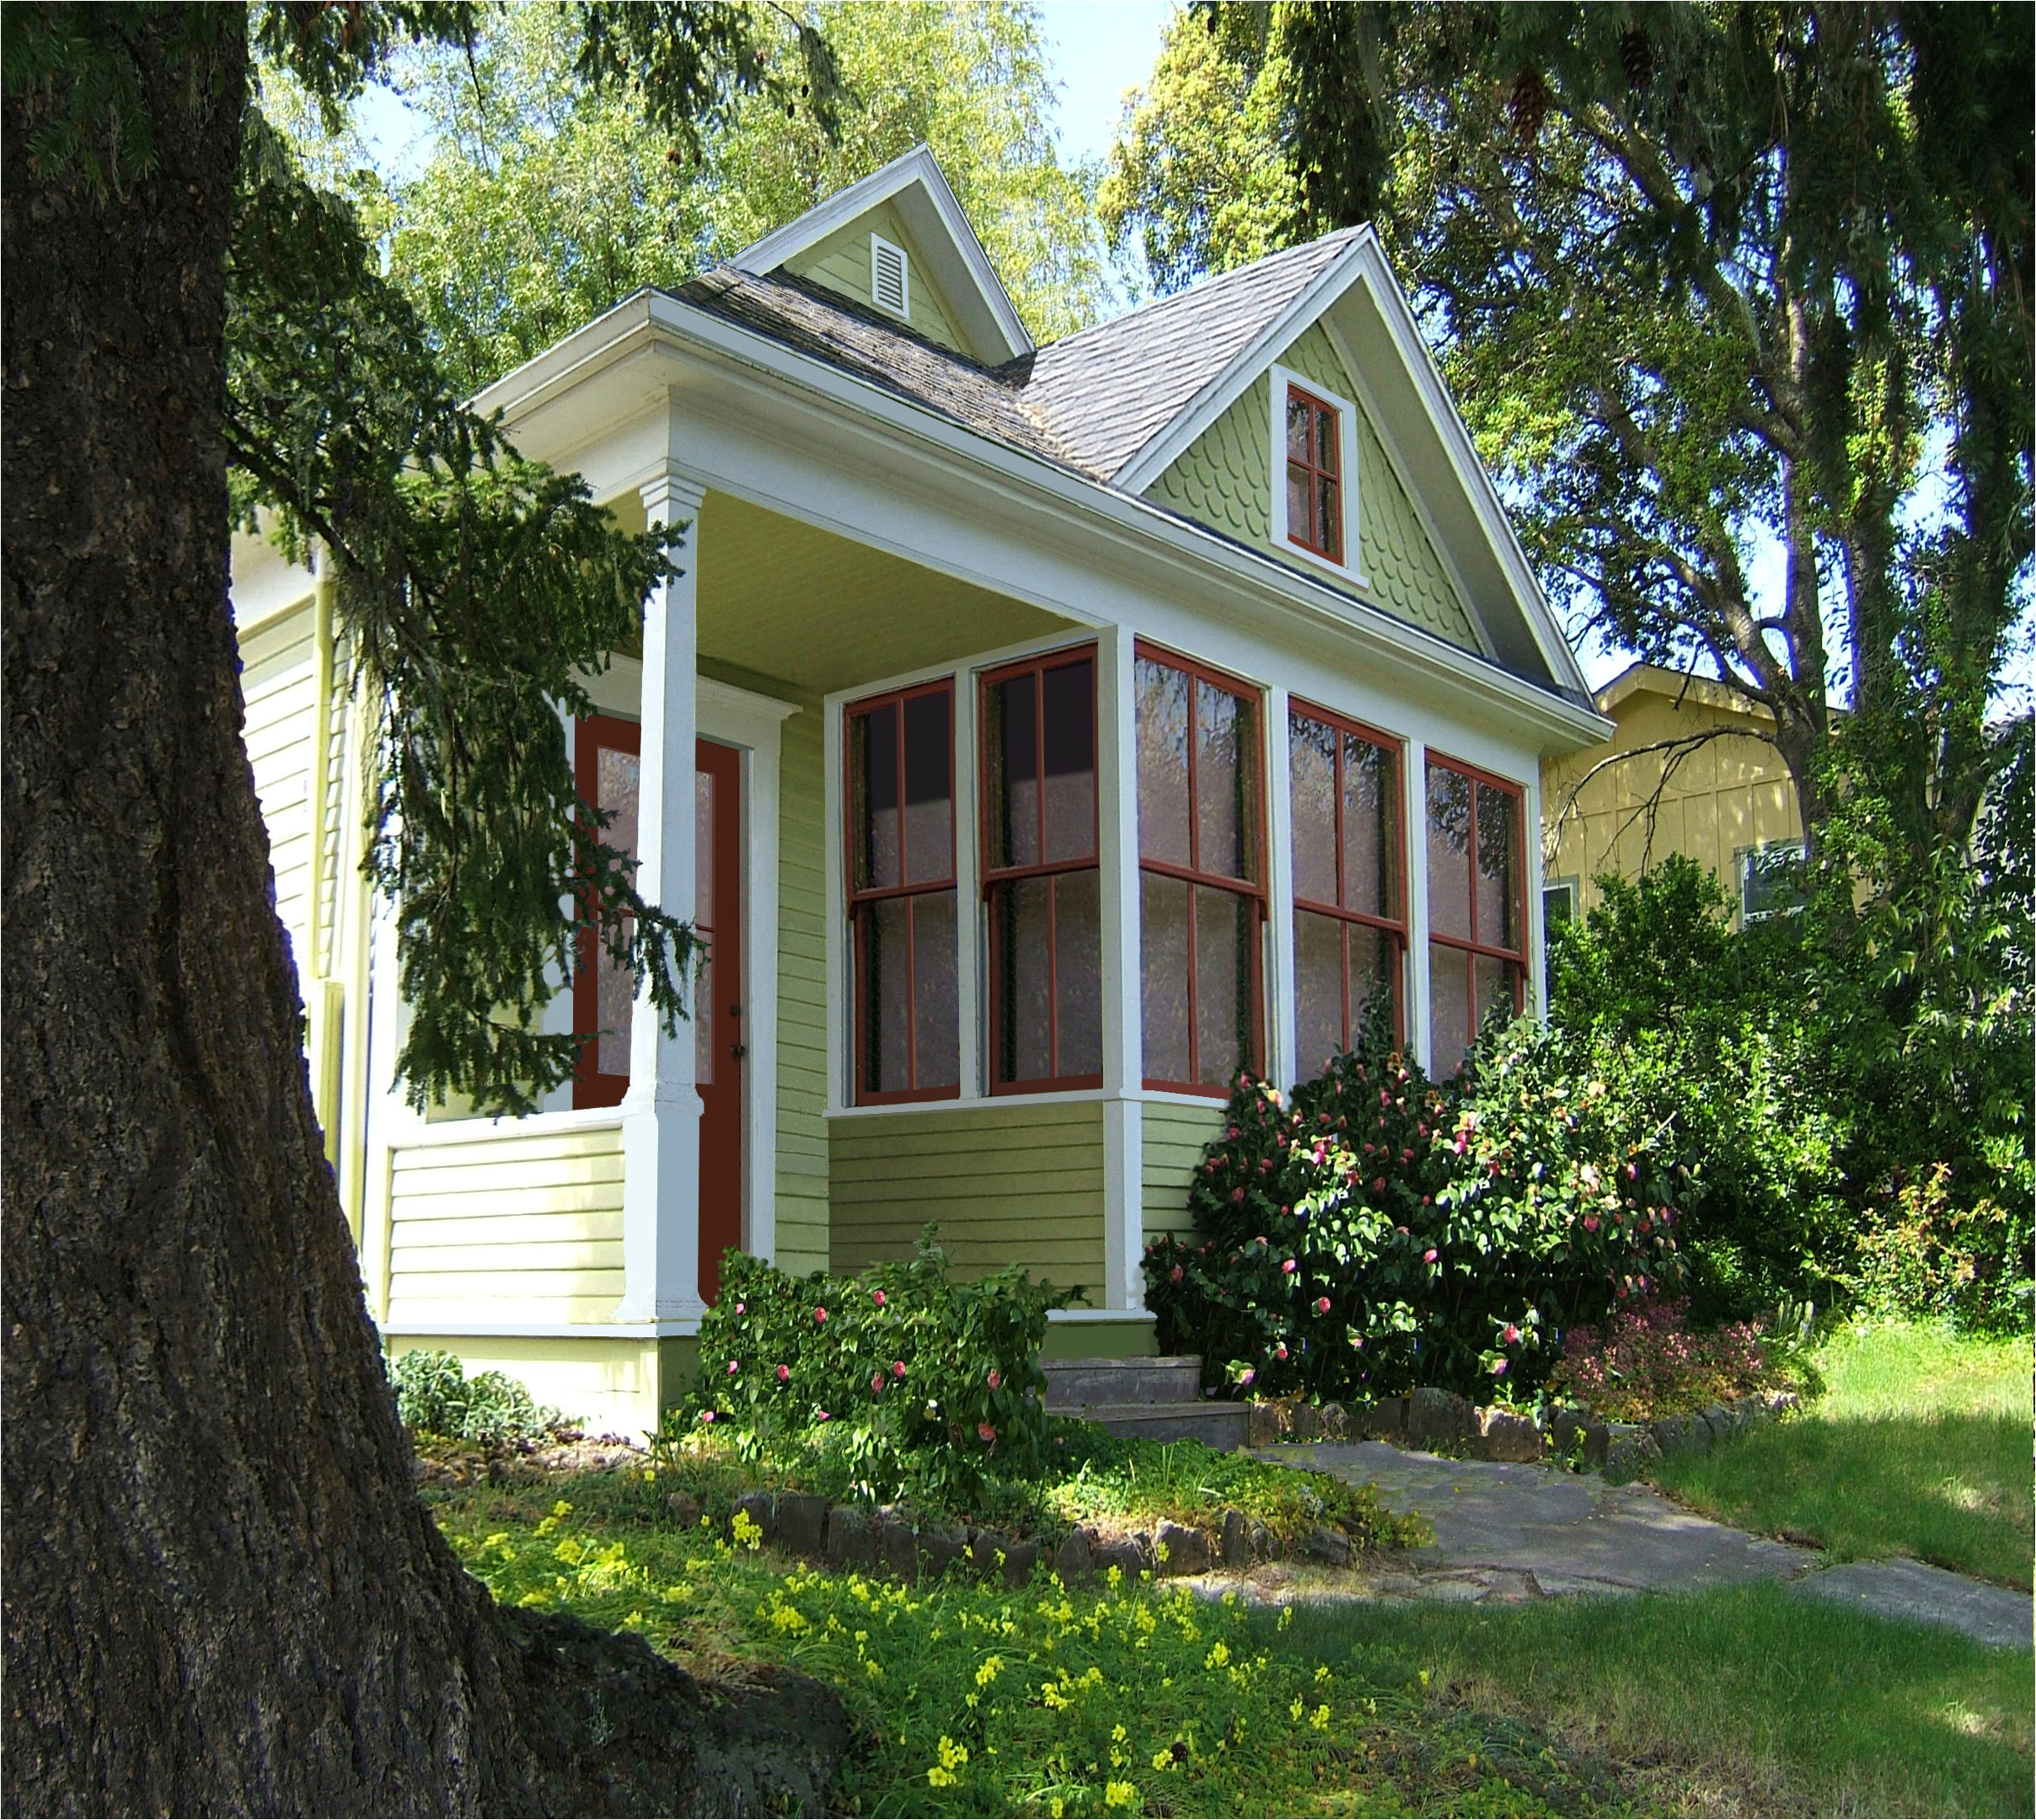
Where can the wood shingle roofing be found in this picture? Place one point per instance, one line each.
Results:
(1090, 402)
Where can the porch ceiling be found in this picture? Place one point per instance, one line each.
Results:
(783, 599)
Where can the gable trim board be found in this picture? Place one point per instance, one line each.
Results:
(914, 185)
(954, 457)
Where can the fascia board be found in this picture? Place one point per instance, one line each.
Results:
(1215, 398)
(915, 182)
(963, 457)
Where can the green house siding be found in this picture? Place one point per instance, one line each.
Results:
(1009, 1183)
(802, 1139)
(1224, 480)
(841, 262)
(1174, 1138)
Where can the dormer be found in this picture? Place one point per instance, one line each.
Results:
(898, 243)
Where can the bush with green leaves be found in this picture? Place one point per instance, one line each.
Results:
(1376, 1230)
(899, 1383)
(435, 1397)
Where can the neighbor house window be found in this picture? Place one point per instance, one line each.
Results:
(1201, 876)
(1041, 886)
(1315, 474)
(1350, 902)
(1477, 968)
(901, 879)
(1769, 884)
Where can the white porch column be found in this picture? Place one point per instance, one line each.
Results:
(1282, 1059)
(661, 1112)
(1123, 1032)
(1417, 800)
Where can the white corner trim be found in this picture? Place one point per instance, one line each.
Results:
(1279, 379)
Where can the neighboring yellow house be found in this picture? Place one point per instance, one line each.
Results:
(1031, 761)
(1691, 770)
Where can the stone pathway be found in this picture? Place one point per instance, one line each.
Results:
(1505, 1533)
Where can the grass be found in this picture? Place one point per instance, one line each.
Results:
(1133, 1699)
(1920, 1446)
(1748, 1700)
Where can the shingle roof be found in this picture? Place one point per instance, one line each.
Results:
(1110, 390)
(1089, 403)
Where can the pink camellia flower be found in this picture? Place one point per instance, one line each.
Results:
(876, 1384)
(1513, 1333)
(1632, 1172)
(1357, 1339)
(1250, 1375)
(785, 1371)
(1232, 1134)
(1379, 1185)
(994, 1377)
(878, 1298)
(1321, 1304)
(1429, 1255)
(1499, 1367)
(820, 1314)
(1280, 1351)
(824, 1416)
(738, 1308)
(706, 1416)
(1288, 1268)
(1178, 1273)
(1236, 1197)
(897, 1367)
(986, 1431)
(733, 1367)
(1590, 1223)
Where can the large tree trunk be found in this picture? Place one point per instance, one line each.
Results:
(221, 1593)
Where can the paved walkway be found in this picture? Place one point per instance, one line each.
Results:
(1506, 1533)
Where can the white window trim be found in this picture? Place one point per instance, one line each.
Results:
(1741, 866)
(904, 277)
(1281, 377)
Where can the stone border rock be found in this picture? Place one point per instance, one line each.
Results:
(1439, 1422)
(885, 1543)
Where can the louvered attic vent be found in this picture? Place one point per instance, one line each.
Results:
(890, 276)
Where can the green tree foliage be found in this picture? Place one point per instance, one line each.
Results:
(1198, 181)
(546, 201)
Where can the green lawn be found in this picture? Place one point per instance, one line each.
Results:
(1921, 1447)
(1747, 1700)
(1133, 1700)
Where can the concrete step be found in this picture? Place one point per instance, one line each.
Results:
(1082, 1384)
(1221, 1426)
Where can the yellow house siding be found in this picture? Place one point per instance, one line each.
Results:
(802, 1021)
(1224, 480)
(519, 1228)
(1726, 796)
(841, 262)
(1009, 1183)
(279, 683)
(1174, 1139)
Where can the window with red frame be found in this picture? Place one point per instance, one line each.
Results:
(1349, 900)
(1040, 882)
(901, 881)
(1315, 480)
(607, 771)
(1477, 919)
(1202, 903)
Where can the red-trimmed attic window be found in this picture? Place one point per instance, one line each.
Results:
(1315, 478)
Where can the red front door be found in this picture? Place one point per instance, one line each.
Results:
(607, 768)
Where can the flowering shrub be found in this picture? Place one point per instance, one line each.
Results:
(1377, 1230)
(899, 1382)
(1645, 1365)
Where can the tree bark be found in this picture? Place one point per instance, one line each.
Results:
(222, 1592)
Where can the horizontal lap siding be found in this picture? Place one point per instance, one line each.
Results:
(1174, 1140)
(522, 1229)
(279, 684)
(802, 1022)
(1007, 1184)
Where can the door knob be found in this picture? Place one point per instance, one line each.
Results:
(738, 1050)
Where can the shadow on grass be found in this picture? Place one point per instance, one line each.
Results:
(1951, 1489)
(1747, 1699)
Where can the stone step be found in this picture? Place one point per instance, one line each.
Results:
(1222, 1426)
(1082, 1384)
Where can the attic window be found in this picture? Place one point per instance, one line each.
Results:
(1314, 462)
(890, 277)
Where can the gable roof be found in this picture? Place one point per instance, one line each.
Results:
(914, 185)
